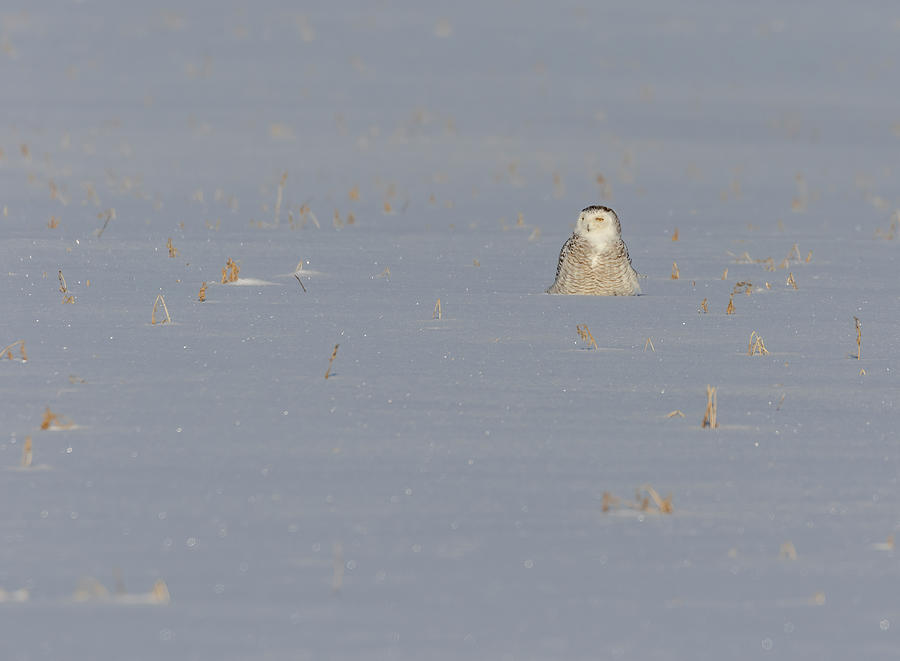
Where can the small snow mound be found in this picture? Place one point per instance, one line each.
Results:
(301, 272)
(251, 282)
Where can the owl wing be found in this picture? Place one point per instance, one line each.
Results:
(570, 247)
(620, 271)
(573, 263)
(624, 250)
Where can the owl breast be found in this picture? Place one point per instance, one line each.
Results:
(583, 269)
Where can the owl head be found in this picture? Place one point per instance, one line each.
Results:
(599, 225)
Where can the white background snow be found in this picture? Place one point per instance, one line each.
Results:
(441, 495)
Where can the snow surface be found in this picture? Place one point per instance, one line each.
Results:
(441, 495)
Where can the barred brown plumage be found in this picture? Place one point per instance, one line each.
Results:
(594, 260)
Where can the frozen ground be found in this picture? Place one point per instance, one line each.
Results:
(441, 495)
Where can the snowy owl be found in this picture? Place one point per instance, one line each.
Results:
(595, 260)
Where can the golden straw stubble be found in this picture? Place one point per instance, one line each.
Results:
(230, 271)
(49, 419)
(26, 453)
(710, 416)
(641, 502)
(160, 301)
(585, 334)
(7, 351)
(331, 360)
(756, 346)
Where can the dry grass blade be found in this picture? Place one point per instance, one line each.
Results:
(649, 343)
(585, 334)
(663, 504)
(63, 288)
(331, 360)
(704, 305)
(202, 295)
(730, 308)
(609, 501)
(725, 274)
(710, 416)
(742, 287)
(641, 503)
(675, 234)
(7, 351)
(109, 215)
(173, 251)
(160, 301)
(674, 413)
(52, 420)
(26, 453)
(756, 346)
(438, 313)
(791, 281)
(787, 551)
(858, 337)
(301, 282)
(91, 590)
(230, 271)
(675, 272)
(160, 593)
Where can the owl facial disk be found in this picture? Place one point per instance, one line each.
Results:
(596, 224)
